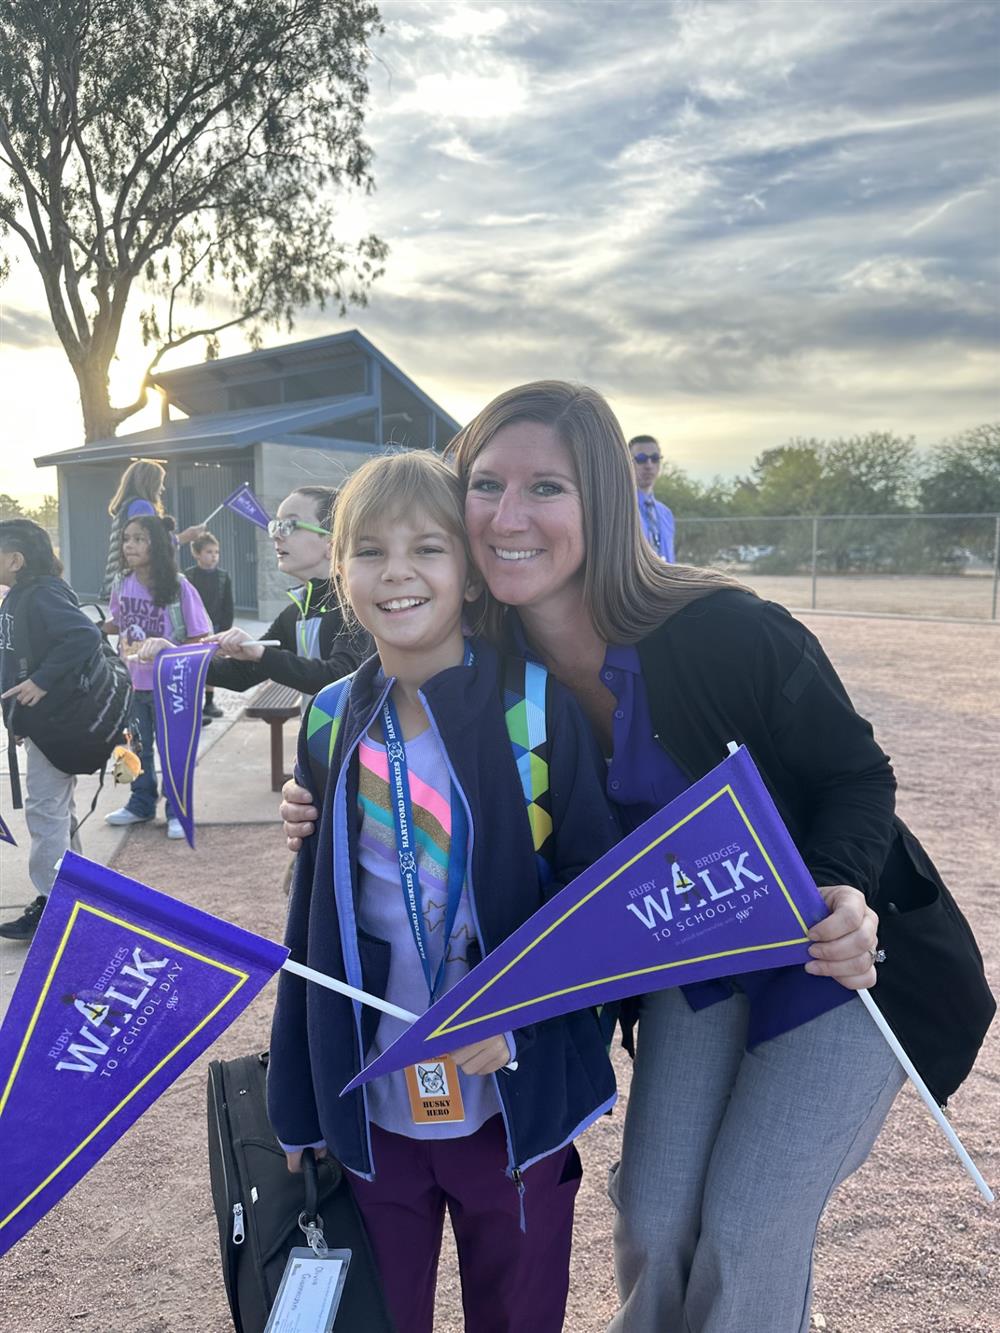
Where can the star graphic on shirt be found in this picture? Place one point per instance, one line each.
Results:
(458, 945)
(434, 914)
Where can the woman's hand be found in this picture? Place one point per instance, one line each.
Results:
(27, 693)
(149, 649)
(294, 1159)
(237, 643)
(843, 942)
(483, 1057)
(298, 814)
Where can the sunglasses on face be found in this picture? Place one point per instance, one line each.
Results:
(646, 458)
(284, 527)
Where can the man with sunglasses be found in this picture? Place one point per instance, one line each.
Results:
(657, 520)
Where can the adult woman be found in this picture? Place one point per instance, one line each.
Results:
(751, 1098)
(140, 491)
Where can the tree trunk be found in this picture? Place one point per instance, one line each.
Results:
(100, 419)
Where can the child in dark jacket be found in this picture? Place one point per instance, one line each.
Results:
(215, 588)
(424, 725)
(45, 642)
(310, 646)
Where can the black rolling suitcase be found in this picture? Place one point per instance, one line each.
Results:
(258, 1204)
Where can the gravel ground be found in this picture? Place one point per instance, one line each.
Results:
(906, 1245)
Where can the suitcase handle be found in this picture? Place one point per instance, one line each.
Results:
(310, 1222)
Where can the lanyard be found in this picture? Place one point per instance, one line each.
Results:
(409, 875)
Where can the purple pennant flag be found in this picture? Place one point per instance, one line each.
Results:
(122, 989)
(5, 833)
(244, 502)
(711, 886)
(178, 691)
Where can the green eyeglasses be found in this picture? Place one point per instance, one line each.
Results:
(284, 527)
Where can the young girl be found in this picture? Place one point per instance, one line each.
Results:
(42, 653)
(152, 607)
(313, 646)
(428, 713)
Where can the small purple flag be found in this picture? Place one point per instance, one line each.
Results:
(178, 691)
(5, 833)
(122, 989)
(244, 502)
(711, 886)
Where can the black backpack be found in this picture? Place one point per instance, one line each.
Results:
(78, 723)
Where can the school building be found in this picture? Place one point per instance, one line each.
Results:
(307, 413)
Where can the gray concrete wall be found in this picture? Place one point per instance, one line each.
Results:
(278, 470)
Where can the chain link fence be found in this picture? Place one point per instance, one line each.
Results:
(931, 565)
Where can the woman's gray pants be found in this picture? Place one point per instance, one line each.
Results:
(729, 1158)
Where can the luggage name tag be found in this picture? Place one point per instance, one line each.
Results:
(435, 1094)
(309, 1296)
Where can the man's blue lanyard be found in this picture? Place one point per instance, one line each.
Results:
(409, 875)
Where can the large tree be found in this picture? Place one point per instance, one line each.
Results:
(186, 151)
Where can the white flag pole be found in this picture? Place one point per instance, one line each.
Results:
(926, 1097)
(362, 996)
(351, 992)
(205, 522)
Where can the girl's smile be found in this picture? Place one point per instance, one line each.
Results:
(407, 581)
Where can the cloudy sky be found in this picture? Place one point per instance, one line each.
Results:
(742, 220)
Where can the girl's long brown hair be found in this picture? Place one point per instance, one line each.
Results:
(628, 589)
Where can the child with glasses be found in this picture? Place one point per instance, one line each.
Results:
(314, 648)
(657, 520)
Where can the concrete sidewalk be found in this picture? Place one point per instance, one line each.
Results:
(232, 786)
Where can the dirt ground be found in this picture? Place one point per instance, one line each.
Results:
(906, 1245)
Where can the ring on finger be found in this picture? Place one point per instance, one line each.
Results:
(877, 955)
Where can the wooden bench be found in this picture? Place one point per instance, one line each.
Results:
(276, 704)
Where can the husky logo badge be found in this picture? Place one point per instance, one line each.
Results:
(432, 1082)
(394, 751)
(407, 862)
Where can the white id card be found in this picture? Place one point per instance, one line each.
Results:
(310, 1291)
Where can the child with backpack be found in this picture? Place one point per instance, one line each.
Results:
(429, 855)
(47, 645)
(215, 588)
(152, 607)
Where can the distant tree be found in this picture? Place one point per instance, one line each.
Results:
(10, 508)
(962, 475)
(187, 151)
(688, 497)
(868, 474)
(46, 514)
(785, 480)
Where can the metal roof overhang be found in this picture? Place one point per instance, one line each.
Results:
(217, 431)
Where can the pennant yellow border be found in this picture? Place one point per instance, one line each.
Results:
(78, 908)
(449, 1025)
